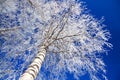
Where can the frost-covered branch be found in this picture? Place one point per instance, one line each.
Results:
(71, 40)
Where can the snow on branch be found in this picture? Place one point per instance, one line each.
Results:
(74, 40)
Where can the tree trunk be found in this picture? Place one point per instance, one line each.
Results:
(34, 67)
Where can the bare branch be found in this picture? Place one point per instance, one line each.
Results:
(67, 36)
(55, 35)
(2, 31)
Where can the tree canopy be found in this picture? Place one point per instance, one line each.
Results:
(74, 39)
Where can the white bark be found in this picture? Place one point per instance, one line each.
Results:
(34, 67)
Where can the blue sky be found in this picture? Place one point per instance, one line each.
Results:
(110, 10)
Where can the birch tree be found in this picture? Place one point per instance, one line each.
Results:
(46, 39)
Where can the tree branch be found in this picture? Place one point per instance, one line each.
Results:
(2, 31)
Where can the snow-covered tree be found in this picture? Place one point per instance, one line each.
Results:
(46, 39)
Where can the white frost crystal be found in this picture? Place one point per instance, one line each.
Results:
(26, 24)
